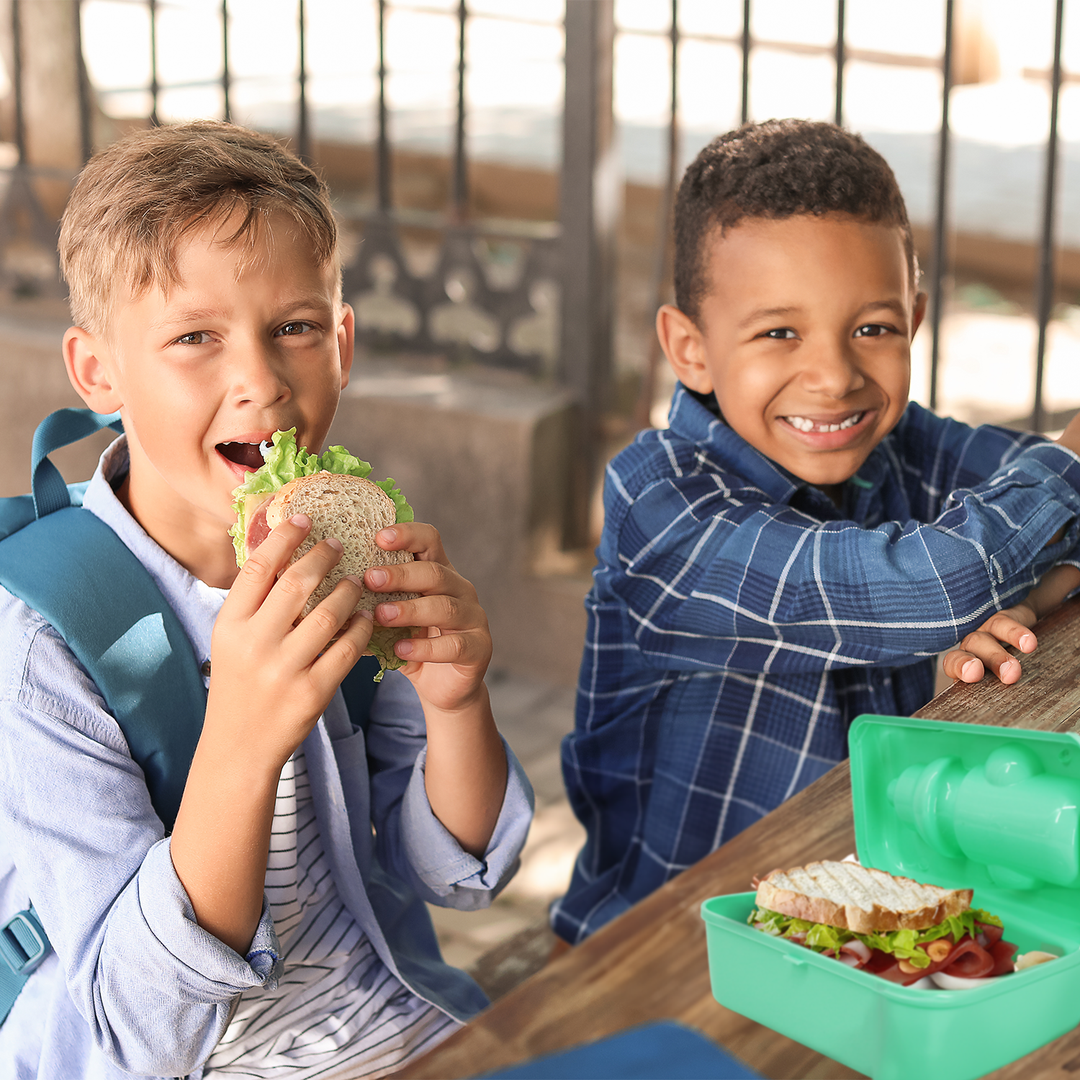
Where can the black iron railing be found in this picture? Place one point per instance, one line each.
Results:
(552, 319)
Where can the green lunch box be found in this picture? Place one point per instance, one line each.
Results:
(993, 809)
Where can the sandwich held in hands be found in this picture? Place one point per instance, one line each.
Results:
(333, 490)
(916, 935)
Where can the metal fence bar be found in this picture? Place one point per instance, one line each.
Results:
(17, 80)
(838, 111)
(86, 134)
(661, 256)
(382, 155)
(151, 6)
(1045, 286)
(226, 73)
(937, 281)
(460, 184)
(587, 215)
(744, 92)
(303, 133)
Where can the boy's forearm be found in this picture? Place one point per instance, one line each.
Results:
(465, 772)
(1052, 589)
(221, 842)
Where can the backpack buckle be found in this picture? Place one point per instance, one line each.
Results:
(23, 943)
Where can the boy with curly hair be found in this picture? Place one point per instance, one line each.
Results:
(801, 542)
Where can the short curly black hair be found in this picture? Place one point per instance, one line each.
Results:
(777, 169)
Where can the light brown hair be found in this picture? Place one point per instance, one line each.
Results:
(135, 201)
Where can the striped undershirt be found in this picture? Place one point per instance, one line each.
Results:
(338, 1011)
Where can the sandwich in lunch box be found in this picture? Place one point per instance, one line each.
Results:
(917, 935)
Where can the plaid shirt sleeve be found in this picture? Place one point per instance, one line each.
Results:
(713, 574)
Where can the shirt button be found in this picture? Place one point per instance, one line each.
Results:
(204, 669)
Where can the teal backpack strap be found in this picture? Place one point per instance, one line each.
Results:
(23, 945)
(69, 566)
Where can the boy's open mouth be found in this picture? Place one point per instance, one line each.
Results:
(803, 423)
(242, 453)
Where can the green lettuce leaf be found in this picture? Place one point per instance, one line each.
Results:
(903, 944)
(284, 462)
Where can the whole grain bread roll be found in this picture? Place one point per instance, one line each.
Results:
(351, 509)
(858, 898)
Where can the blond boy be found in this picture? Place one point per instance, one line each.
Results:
(205, 287)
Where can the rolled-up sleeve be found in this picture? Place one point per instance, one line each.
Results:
(410, 838)
(453, 875)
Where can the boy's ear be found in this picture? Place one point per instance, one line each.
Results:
(919, 313)
(85, 359)
(684, 347)
(346, 332)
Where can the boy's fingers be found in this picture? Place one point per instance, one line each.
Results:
(262, 567)
(338, 658)
(979, 652)
(421, 539)
(1004, 627)
(453, 648)
(447, 613)
(294, 585)
(331, 618)
(428, 578)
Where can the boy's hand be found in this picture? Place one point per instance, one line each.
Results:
(983, 649)
(273, 676)
(448, 659)
(465, 772)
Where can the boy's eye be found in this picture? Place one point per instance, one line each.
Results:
(872, 330)
(291, 329)
(196, 337)
(782, 334)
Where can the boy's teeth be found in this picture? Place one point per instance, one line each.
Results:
(805, 424)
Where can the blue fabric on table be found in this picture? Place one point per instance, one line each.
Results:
(662, 1051)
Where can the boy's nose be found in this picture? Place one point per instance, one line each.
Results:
(833, 370)
(258, 377)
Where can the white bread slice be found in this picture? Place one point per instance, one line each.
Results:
(858, 898)
(353, 510)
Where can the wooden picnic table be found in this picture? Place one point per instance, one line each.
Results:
(651, 963)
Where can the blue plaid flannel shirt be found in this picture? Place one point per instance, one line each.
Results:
(739, 621)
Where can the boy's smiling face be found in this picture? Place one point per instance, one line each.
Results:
(246, 343)
(804, 337)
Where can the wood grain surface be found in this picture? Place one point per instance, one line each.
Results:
(651, 963)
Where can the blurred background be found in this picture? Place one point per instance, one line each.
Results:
(503, 173)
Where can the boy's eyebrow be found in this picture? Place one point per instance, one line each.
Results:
(306, 302)
(185, 315)
(895, 305)
(767, 313)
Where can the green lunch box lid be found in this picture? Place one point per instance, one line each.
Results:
(994, 809)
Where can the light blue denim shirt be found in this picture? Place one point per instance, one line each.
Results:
(135, 985)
